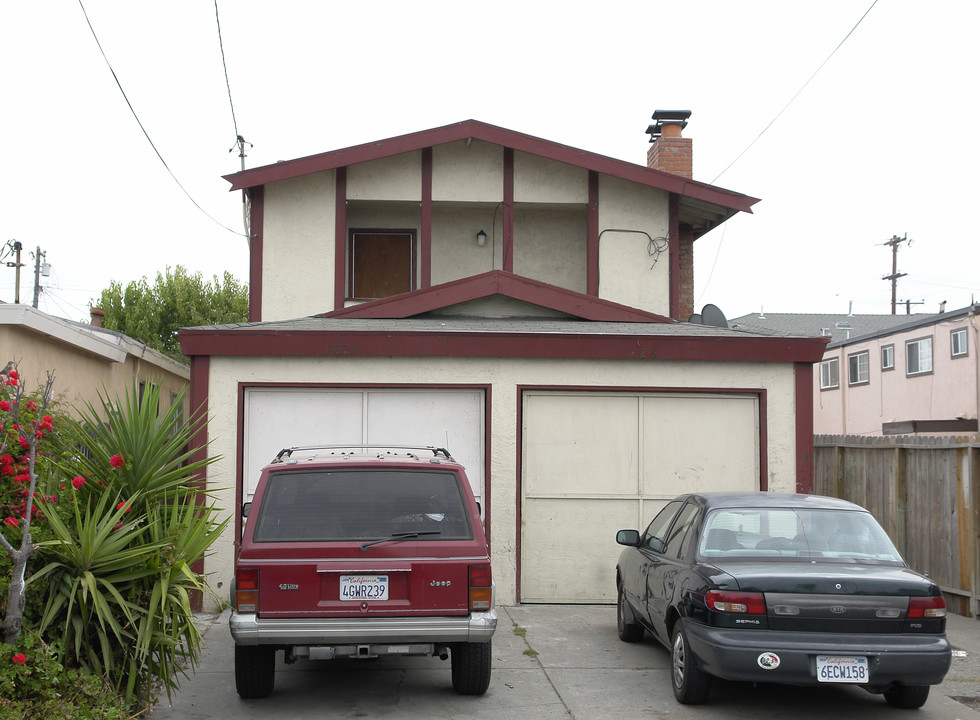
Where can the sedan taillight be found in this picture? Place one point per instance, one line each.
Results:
(481, 587)
(247, 590)
(927, 607)
(736, 602)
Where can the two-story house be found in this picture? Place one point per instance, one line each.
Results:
(519, 302)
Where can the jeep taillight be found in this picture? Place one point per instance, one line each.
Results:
(927, 607)
(742, 603)
(481, 587)
(247, 590)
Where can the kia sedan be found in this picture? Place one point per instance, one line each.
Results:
(795, 589)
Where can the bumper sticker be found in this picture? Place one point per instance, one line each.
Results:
(768, 661)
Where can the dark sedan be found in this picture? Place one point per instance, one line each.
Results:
(796, 589)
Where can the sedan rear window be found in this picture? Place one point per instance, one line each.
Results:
(793, 532)
(356, 505)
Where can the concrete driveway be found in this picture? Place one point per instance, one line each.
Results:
(550, 662)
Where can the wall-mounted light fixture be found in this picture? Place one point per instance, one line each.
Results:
(481, 238)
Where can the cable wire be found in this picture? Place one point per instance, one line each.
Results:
(145, 133)
(224, 65)
(771, 123)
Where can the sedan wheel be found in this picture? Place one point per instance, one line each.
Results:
(908, 697)
(690, 683)
(628, 631)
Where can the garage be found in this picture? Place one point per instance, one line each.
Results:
(276, 417)
(595, 462)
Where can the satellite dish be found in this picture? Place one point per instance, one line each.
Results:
(712, 315)
(695, 318)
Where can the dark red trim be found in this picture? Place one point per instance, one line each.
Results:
(340, 239)
(592, 237)
(500, 136)
(497, 282)
(759, 393)
(246, 341)
(426, 221)
(240, 434)
(256, 220)
(508, 229)
(804, 427)
(674, 244)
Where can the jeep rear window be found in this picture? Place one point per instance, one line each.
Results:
(356, 505)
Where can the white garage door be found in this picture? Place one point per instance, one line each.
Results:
(594, 463)
(277, 418)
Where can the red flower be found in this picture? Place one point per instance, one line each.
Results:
(14, 374)
(77, 482)
(4, 406)
(11, 380)
(117, 461)
(31, 405)
(117, 526)
(7, 470)
(23, 441)
(19, 658)
(122, 505)
(12, 521)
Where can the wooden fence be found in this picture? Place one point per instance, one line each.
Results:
(925, 492)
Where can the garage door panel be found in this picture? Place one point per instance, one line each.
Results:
(700, 443)
(589, 565)
(581, 444)
(281, 418)
(595, 463)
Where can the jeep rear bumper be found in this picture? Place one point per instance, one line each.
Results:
(249, 629)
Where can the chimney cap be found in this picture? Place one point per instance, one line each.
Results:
(667, 117)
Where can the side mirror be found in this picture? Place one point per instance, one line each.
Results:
(245, 508)
(630, 538)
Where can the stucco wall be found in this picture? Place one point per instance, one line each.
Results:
(505, 375)
(468, 172)
(298, 247)
(79, 377)
(540, 180)
(950, 391)
(392, 178)
(628, 273)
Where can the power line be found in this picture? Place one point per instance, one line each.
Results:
(145, 133)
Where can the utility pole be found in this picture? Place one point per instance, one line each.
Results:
(240, 143)
(15, 248)
(895, 242)
(39, 270)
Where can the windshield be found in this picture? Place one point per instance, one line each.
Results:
(359, 505)
(795, 532)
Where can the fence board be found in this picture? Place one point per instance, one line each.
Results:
(923, 491)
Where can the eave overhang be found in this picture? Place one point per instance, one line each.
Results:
(497, 282)
(702, 205)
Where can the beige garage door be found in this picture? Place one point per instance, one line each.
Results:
(594, 463)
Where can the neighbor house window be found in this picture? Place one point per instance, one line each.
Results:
(957, 339)
(857, 368)
(382, 263)
(829, 374)
(888, 357)
(918, 356)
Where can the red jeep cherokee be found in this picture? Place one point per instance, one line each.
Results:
(359, 552)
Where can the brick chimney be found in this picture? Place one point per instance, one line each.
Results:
(97, 315)
(672, 153)
(669, 151)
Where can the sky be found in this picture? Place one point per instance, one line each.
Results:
(878, 141)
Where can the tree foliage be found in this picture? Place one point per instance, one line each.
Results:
(176, 299)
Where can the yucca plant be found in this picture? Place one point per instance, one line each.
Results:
(119, 574)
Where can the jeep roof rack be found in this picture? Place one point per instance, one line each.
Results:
(436, 451)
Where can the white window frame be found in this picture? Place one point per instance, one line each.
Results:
(830, 374)
(957, 343)
(888, 357)
(858, 368)
(922, 364)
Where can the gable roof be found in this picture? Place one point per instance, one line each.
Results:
(697, 199)
(497, 283)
